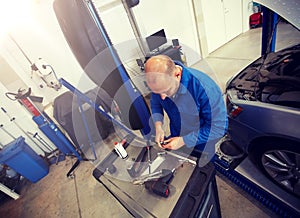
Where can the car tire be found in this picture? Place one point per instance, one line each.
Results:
(280, 162)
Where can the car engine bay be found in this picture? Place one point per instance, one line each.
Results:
(274, 79)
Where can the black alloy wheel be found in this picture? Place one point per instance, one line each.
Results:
(281, 163)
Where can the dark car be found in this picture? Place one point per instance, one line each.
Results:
(263, 106)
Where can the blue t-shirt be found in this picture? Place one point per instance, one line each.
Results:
(196, 112)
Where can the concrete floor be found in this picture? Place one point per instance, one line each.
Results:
(58, 196)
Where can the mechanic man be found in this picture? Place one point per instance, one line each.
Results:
(192, 101)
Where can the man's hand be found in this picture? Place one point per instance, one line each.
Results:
(159, 133)
(173, 143)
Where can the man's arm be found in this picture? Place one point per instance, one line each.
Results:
(158, 116)
(213, 118)
(201, 135)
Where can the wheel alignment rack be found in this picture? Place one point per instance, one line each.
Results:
(263, 197)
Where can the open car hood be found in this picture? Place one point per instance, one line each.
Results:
(288, 9)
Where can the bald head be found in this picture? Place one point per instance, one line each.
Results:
(162, 75)
(160, 64)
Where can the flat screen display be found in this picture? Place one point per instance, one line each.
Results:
(156, 40)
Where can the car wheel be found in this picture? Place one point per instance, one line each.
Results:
(280, 161)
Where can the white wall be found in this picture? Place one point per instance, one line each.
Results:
(41, 37)
(117, 25)
(176, 17)
(233, 18)
(247, 11)
(214, 23)
(212, 16)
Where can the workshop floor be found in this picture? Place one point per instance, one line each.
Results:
(59, 196)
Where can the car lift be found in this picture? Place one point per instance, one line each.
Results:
(236, 170)
(243, 173)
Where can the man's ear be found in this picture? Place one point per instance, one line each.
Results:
(178, 71)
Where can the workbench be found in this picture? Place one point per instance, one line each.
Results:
(193, 191)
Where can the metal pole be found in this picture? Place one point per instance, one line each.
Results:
(8, 133)
(269, 27)
(42, 141)
(86, 99)
(9, 192)
(138, 101)
(92, 144)
(134, 26)
(13, 119)
(22, 51)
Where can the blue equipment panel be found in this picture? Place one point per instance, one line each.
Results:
(21, 158)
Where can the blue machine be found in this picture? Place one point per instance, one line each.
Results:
(21, 158)
(55, 135)
(58, 138)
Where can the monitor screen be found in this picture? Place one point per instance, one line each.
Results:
(156, 39)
